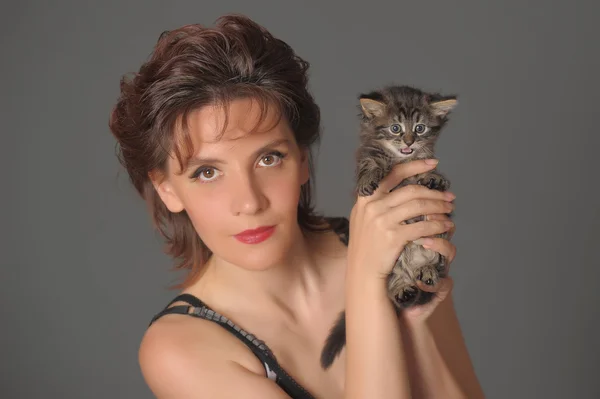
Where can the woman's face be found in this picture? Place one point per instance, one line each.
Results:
(242, 180)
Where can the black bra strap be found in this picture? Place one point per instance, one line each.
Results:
(191, 299)
(199, 309)
(181, 309)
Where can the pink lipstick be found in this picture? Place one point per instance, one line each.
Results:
(255, 236)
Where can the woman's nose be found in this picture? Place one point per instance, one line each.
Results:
(247, 196)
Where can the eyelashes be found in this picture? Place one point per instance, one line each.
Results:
(197, 175)
(276, 154)
(201, 173)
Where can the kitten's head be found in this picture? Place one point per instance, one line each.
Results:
(405, 120)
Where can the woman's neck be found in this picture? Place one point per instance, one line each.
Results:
(292, 286)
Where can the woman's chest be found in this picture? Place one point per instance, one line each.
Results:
(297, 341)
(298, 352)
(298, 345)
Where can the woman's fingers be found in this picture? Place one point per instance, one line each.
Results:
(417, 207)
(441, 246)
(416, 191)
(400, 172)
(425, 228)
(442, 216)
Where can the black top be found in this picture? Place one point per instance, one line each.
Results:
(273, 370)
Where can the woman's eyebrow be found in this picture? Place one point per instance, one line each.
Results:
(196, 161)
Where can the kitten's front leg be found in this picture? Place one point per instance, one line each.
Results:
(369, 175)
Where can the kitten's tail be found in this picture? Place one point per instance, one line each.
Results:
(335, 342)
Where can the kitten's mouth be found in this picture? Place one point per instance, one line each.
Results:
(407, 151)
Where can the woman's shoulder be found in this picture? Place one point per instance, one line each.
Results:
(180, 355)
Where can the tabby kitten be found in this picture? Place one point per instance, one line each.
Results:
(399, 124)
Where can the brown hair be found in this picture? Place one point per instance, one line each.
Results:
(191, 67)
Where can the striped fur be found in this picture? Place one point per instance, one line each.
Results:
(392, 119)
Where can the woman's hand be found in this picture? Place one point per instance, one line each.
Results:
(444, 286)
(377, 235)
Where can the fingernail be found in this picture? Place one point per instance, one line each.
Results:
(448, 224)
(450, 195)
(431, 161)
(423, 241)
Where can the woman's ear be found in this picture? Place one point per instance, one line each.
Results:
(166, 191)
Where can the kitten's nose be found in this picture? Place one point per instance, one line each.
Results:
(409, 141)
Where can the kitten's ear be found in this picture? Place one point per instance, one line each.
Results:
(442, 106)
(372, 108)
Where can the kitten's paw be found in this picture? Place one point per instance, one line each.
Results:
(429, 275)
(368, 181)
(434, 182)
(406, 297)
(367, 189)
(441, 267)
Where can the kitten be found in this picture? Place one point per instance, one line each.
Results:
(399, 124)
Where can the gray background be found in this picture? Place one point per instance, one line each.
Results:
(83, 272)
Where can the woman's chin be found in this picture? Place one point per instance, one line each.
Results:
(260, 256)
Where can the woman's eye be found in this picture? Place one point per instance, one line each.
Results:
(395, 128)
(271, 159)
(207, 174)
(420, 128)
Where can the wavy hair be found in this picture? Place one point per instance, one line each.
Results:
(191, 67)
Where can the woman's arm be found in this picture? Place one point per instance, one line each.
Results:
(375, 355)
(375, 360)
(439, 362)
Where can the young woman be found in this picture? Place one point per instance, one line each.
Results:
(215, 131)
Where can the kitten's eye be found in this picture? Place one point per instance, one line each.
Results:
(420, 128)
(395, 128)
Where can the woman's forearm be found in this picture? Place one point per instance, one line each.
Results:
(439, 362)
(375, 359)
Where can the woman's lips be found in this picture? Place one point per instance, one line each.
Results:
(255, 236)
